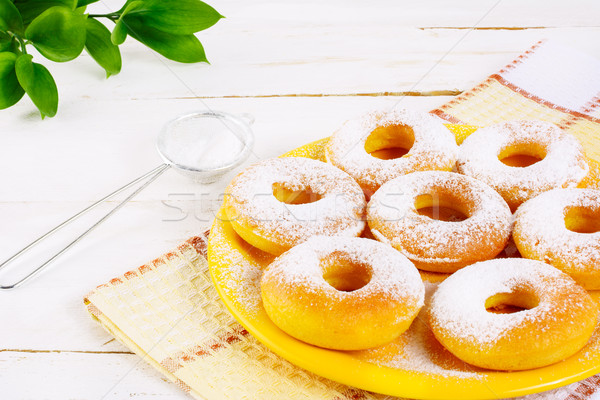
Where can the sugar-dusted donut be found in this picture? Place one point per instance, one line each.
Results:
(512, 314)
(280, 202)
(342, 293)
(562, 227)
(439, 245)
(369, 148)
(562, 161)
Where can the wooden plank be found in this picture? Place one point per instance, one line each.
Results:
(313, 61)
(315, 48)
(66, 376)
(273, 49)
(436, 13)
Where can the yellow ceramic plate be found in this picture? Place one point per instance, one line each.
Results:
(236, 266)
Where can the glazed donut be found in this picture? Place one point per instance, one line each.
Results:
(562, 228)
(281, 202)
(512, 314)
(366, 148)
(438, 245)
(342, 293)
(562, 161)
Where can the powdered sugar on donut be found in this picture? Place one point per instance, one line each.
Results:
(541, 221)
(342, 293)
(458, 307)
(392, 274)
(393, 217)
(339, 211)
(562, 166)
(434, 147)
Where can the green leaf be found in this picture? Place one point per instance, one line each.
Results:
(5, 41)
(177, 16)
(119, 34)
(10, 17)
(11, 45)
(10, 89)
(30, 9)
(38, 84)
(182, 48)
(58, 33)
(98, 44)
(5, 45)
(83, 3)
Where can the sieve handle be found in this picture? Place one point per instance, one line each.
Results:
(151, 176)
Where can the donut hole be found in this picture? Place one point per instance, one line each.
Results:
(441, 207)
(582, 219)
(288, 195)
(390, 142)
(345, 274)
(510, 303)
(522, 155)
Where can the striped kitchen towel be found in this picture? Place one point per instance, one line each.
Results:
(168, 312)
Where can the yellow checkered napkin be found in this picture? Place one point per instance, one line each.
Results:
(168, 312)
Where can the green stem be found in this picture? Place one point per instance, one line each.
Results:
(22, 43)
(112, 16)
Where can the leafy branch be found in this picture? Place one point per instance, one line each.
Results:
(60, 30)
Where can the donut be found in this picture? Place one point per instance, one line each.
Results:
(561, 158)
(480, 233)
(342, 293)
(279, 203)
(511, 314)
(371, 148)
(562, 227)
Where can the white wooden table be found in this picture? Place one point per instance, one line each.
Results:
(301, 68)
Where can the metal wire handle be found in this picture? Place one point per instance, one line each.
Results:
(151, 176)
